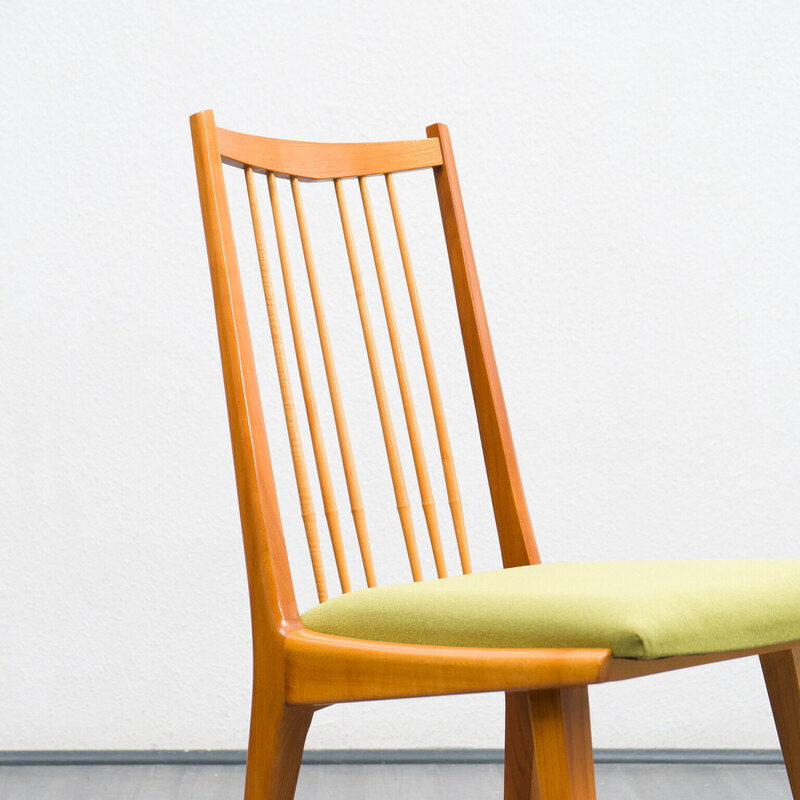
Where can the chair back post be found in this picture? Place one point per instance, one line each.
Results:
(272, 599)
(517, 541)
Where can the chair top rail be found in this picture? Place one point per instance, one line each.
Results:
(311, 161)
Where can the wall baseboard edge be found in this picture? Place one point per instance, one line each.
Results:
(331, 757)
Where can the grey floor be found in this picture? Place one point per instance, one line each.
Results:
(354, 782)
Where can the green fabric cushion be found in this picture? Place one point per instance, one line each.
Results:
(638, 609)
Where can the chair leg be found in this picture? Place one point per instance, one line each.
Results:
(782, 676)
(277, 735)
(549, 745)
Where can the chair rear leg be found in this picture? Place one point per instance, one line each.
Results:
(277, 735)
(782, 676)
(549, 745)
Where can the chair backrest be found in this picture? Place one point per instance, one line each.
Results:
(270, 584)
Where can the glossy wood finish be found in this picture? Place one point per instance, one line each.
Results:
(295, 442)
(315, 161)
(514, 529)
(782, 675)
(414, 437)
(519, 770)
(275, 749)
(272, 600)
(275, 737)
(443, 437)
(296, 671)
(549, 745)
(327, 669)
(346, 449)
(389, 438)
(320, 456)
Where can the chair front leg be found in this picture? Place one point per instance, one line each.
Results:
(782, 676)
(549, 745)
(277, 735)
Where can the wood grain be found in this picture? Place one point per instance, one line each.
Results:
(276, 734)
(290, 413)
(296, 671)
(312, 416)
(329, 669)
(315, 161)
(782, 675)
(417, 451)
(445, 450)
(272, 600)
(275, 749)
(514, 529)
(389, 438)
(342, 433)
(562, 743)
(549, 745)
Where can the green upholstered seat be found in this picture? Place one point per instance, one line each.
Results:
(637, 609)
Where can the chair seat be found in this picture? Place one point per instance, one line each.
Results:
(637, 609)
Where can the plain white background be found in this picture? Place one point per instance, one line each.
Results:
(632, 179)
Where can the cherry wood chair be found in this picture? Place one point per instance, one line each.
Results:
(539, 633)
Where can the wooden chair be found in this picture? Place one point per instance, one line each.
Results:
(412, 650)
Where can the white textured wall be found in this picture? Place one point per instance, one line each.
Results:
(632, 178)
